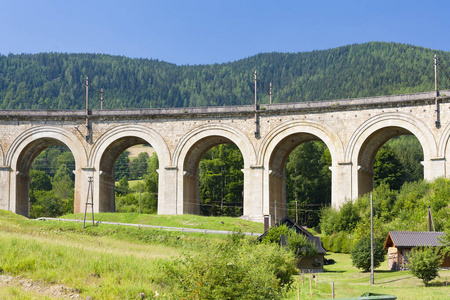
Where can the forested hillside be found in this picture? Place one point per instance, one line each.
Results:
(56, 80)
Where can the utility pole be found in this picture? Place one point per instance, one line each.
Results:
(371, 239)
(435, 76)
(87, 109)
(296, 212)
(256, 107)
(101, 99)
(270, 93)
(88, 129)
(256, 97)
(436, 95)
(89, 201)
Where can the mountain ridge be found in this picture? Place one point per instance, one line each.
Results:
(56, 80)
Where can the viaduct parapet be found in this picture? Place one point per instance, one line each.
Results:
(353, 130)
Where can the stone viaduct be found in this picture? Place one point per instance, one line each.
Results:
(353, 131)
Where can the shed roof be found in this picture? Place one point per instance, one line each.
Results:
(300, 230)
(289, 224)
(410, 239)
(315, 240)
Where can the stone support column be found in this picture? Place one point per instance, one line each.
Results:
(254, 205)
(342, 184)
(434, 168)
(191, 198)
(5, 188)
(168, 191)
(77, 192)
(365, 181)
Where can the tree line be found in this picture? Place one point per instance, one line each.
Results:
(57, 80)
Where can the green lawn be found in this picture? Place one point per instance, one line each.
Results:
(351, 282)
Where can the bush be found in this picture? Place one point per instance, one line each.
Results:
(341, 243)
(328, 220)
(300, 246)
(344, 219)
(424, 263)
(127, 203)
(361, 254)
(231, 271)
(337, 242)
(297, 243)
(47, 204)
(130, 203)
(274, 234)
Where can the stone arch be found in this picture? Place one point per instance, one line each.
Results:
(372, 134)
(26, 147)
(277, 146)
(234, 135)
(320, 131)
(106, 151)
(2, 156)
(443, 146)
(444, 149)
(191, 149)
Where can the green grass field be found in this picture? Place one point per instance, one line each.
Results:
(351, 282)
(53, 260)
(186, 221)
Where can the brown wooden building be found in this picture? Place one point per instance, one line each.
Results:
(399, 244)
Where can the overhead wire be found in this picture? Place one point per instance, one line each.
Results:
(283, 207)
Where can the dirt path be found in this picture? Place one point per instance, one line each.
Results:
(39, 287)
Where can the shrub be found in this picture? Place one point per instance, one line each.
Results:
(361, 254)
(341, 243)
(274, 234)
(346, 219)
(127, 203)
(297, 243)
(328, 220)
(231, 271)
(47, 204)
(300, 246)
(337, 242)
(424, 263)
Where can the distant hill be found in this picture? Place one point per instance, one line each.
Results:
(56, 80)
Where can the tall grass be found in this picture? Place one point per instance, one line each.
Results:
(100, 271)
(110, 262)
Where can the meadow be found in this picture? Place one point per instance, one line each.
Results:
(351, 282)
(57, 260)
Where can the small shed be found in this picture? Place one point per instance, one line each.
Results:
(399, 244)
(308, 263)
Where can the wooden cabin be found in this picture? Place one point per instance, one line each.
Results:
(308, 263)
(399, 244)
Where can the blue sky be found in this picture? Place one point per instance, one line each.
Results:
(208, 31)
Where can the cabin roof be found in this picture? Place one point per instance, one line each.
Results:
(410, 239)
(315, 240)
(290, 224)
(300, 230)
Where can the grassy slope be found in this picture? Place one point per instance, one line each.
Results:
(109, 262)
(105, 262)
(186, 221)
